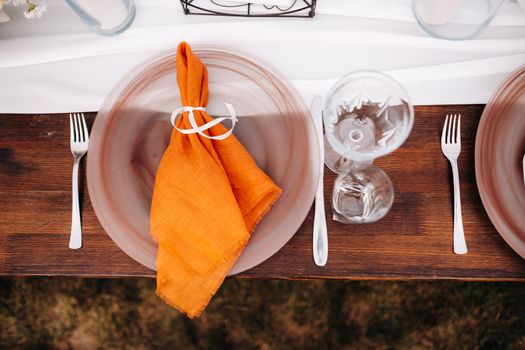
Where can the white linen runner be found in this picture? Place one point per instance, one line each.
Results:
(56, 65)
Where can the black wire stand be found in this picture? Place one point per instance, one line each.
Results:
(299, 8)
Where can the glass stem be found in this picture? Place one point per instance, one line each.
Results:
(357, 165)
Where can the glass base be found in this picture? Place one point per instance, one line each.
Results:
(362, 195)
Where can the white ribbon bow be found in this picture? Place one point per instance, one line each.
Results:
(200, 129)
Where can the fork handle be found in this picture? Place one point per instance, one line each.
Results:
(75, 239)
(320, 234)
(460, 246)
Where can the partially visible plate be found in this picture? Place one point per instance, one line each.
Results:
(500, 146)
(132, 131)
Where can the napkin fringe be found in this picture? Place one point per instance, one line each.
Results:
(236, 253)
(273, 199)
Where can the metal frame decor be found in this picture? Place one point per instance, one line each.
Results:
(298, 8)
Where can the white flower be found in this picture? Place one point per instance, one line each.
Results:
(35, 10)
(3, 15)
(4, 2)
(19, 2)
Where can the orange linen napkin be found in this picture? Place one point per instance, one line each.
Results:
(208, 197)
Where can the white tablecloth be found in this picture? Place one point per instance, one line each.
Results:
(56, 65)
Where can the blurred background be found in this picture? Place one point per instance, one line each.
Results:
(73, 313)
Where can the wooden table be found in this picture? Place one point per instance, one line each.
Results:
(414, 241)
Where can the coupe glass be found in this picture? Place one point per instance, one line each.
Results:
(366, 115)
(455, 19)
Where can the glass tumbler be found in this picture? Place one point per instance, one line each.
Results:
(366, 115)
(105, 17)
(455, 19)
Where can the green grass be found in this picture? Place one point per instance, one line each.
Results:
(64, 313)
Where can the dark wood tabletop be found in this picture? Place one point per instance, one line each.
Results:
(414, 241)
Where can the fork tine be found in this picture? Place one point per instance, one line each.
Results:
(449, 129)
(80, 128)
(75, 126)
(79, 139)
(458, 130)
(71, 129)
(86, 133)
(453, 130)
(80, 136)
(444, 132)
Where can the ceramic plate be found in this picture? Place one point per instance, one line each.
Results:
(500, 146)
(132, 131)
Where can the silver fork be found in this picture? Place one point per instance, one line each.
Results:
(79, 139)
(451, 147)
